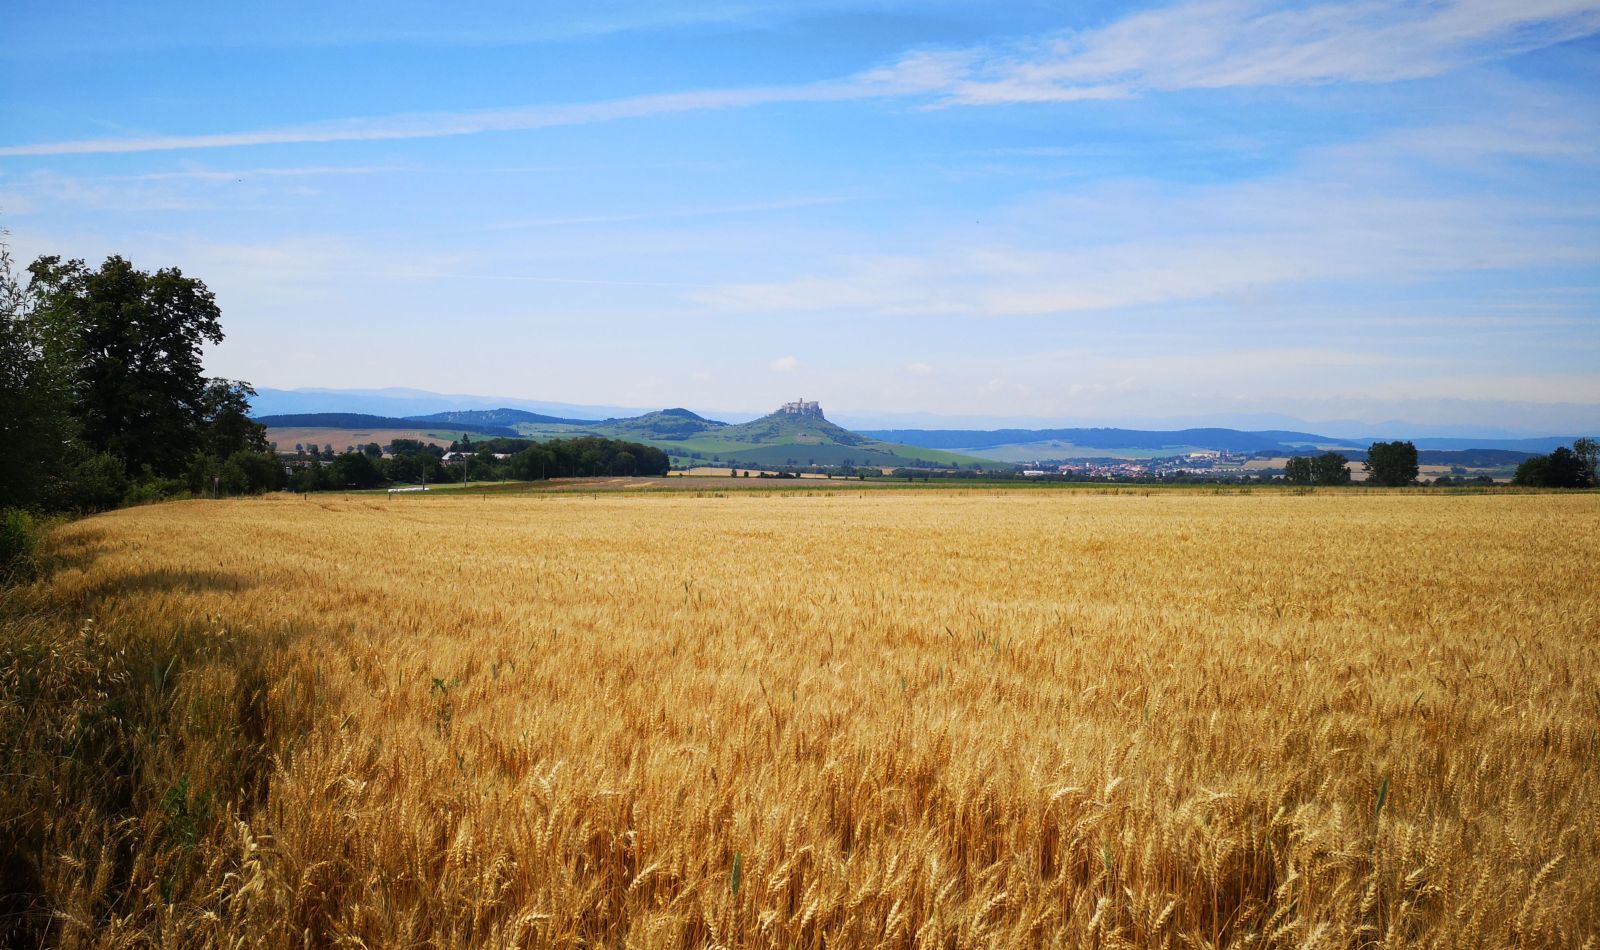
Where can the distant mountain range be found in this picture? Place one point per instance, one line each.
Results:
(1231, 440)
(782, 438)
(799, 439)
(362, 420)
(1018, 445)
(397, 402)
(408, 403)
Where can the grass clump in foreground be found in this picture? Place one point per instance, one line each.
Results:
(20, 536)
(900, 719)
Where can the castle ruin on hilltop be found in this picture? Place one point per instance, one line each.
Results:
(802, 408)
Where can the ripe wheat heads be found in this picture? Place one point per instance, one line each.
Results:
(881, 719)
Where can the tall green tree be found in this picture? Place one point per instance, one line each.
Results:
(131, 342)
(1562, 468)
(38, 436)
(1391, 463)
(226, 426)
(1588, 452)
(356, 470)
(1330, 468)
(1297, 470)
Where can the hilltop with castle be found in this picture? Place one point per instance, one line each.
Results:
(801, 407)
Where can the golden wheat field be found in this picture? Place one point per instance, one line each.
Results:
(900, 719)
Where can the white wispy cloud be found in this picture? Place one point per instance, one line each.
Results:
(1372, 212)
(784, 364)
(444, 124)
(1210, 44)
(182, 189)
(1378, 241)
(1199, 44)
(668, 214)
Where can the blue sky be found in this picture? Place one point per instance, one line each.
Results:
(1097, 212)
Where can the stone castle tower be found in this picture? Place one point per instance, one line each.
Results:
(802, 408)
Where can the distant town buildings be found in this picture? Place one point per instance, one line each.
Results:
(450, 457)
(1201, 462)
(801, 407)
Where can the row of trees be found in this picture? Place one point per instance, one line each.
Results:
(1329, 468)
(103, 398)
(1577, 467)
(1390, 464)
(413, 462)
(560, 458)
(589, 455)
(1395, 463)
(1387, 463)
(410, 461)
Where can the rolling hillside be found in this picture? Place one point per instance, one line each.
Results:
(502, 418)
(779, 439)
(1229, 439)
(794, 438)
(789, 438)
(364, 421)
(1018, 445)
(668, 425)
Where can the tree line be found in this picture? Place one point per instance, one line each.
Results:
(572, 458)
(103, 397)
(1395, 464)
(411, 462)
(1575, 467)
(104, 401)
(1390, 464)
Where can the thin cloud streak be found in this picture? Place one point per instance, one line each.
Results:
(668, 215)
(1214, 44)
(1205, 44)
(440, 125)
